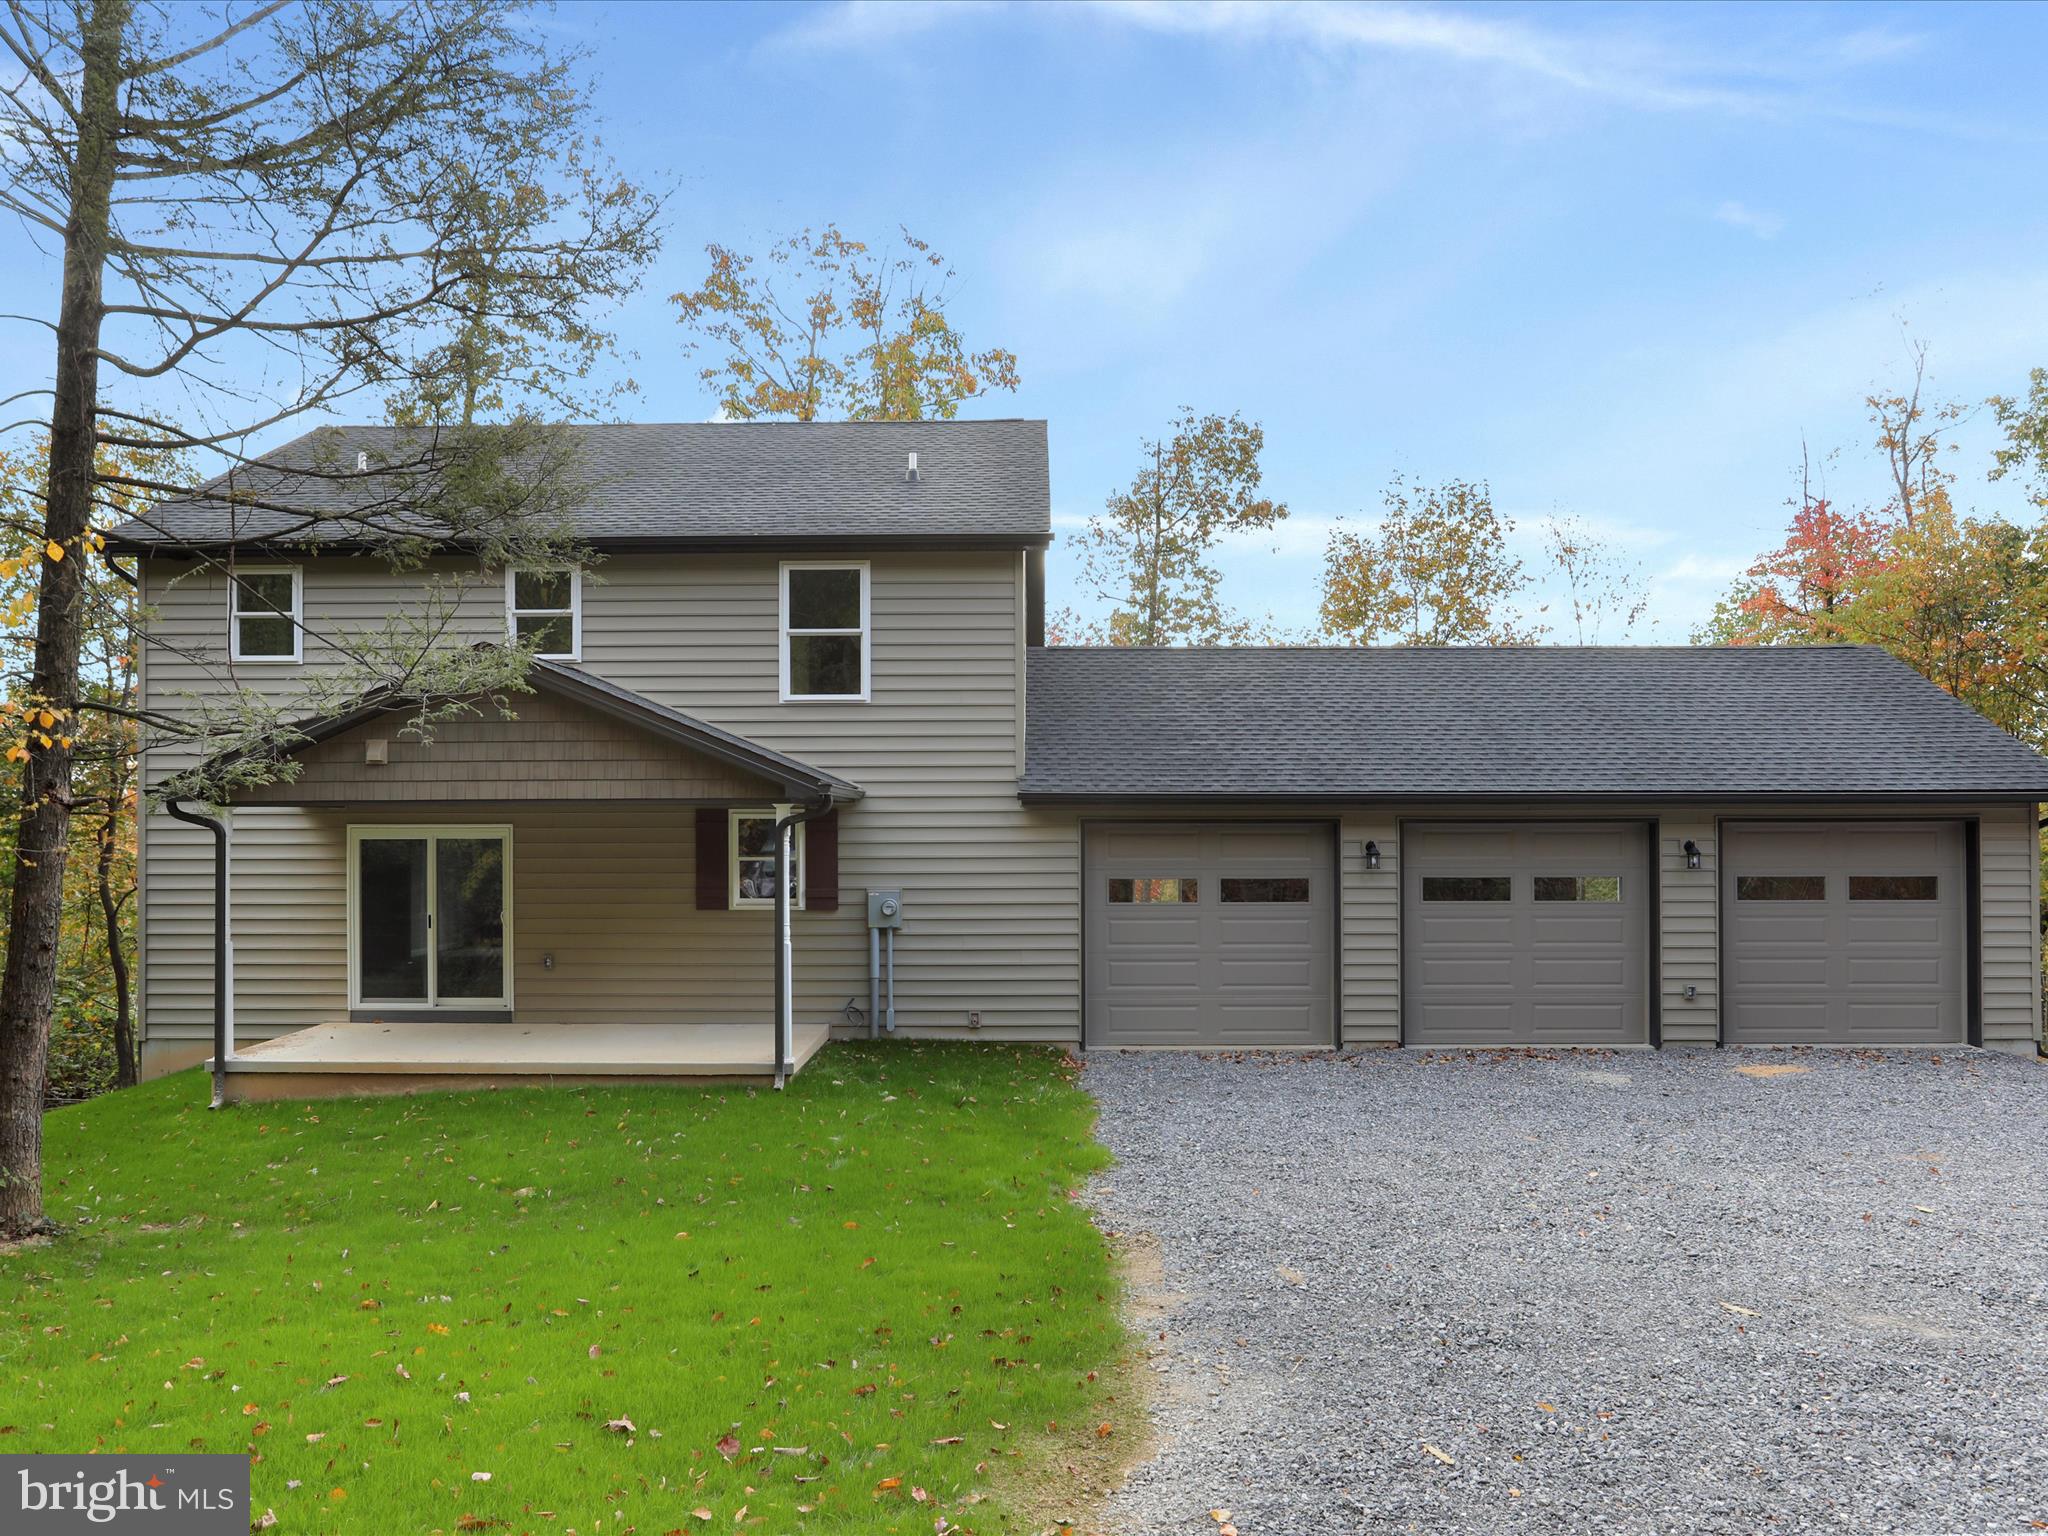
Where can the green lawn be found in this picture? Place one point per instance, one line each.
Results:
(864, 1304)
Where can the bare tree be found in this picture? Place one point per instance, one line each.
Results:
(265, 210)
(1603, 588)
(1913, 436)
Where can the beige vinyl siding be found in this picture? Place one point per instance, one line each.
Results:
(553, 749)
(276, 874)
(606, 890)
(991, 904)
(1369, 932)
(1689, 930)
(2009, 865)
(991, 916)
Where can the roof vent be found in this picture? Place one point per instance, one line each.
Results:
(910, 471)
(362, 460)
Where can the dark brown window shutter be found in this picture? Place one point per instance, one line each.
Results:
(714, 844)
(821, 847)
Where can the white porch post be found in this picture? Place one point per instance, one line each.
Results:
(785, 1002)
(227, 909)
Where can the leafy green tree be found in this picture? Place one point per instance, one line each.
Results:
(1435, 571)
(1150, 553)
(822, 325)
(2025, 424)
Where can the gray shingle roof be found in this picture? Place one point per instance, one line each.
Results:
(1822, 721)
(721, 483)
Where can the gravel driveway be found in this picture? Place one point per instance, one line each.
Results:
(1596, 1292)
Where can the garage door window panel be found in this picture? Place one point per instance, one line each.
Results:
(1268, 891)
(1599, 888)
(1781, 888)
(1467, 888)
(1168, 891)
(1894, 888)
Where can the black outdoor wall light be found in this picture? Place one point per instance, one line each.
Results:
(1692, 854)
(1372, 855)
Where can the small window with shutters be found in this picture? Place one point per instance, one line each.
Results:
(736, 861)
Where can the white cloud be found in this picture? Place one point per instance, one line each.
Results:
(874, 23)
(1654, 67)
(1756, 221)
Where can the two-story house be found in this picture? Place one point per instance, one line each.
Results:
(793, 640)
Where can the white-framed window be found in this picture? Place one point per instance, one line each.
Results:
(750, 859)
(824, 625)
(546, 607)
(263, 612)
(430, 917)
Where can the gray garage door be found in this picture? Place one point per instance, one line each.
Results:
(1525, 933)
(1210, 935)
(1841, 933)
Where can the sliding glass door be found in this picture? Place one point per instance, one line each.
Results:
(430, 917)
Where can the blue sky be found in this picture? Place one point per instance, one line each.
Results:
(1615, 260)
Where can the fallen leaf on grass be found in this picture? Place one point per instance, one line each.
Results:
(620, 1426)
(1439, 1455)
(728, 1446)
(701, 1513)
(947, 1440)
(264, 1521)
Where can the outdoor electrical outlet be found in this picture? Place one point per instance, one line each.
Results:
(974, 1020)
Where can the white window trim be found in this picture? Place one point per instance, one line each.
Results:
(298, 576)
(431, 832)
(734, 899)
(866, 633)
(514, 613)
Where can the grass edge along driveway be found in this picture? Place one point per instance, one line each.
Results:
(857, 1305)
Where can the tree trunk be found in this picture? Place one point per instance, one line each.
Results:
(127, 1069)
(36, 914)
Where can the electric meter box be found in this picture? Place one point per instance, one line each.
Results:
(885, 909)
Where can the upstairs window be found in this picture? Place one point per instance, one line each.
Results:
(545, 608)
(263, 613)
(824, 630)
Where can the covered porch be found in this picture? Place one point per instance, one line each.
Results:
(368, 1057)
(582, 891)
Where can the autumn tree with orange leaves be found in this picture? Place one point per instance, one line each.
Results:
(1962, 599)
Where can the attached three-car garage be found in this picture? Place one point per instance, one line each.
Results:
(1536, 846)
(1526, 933)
